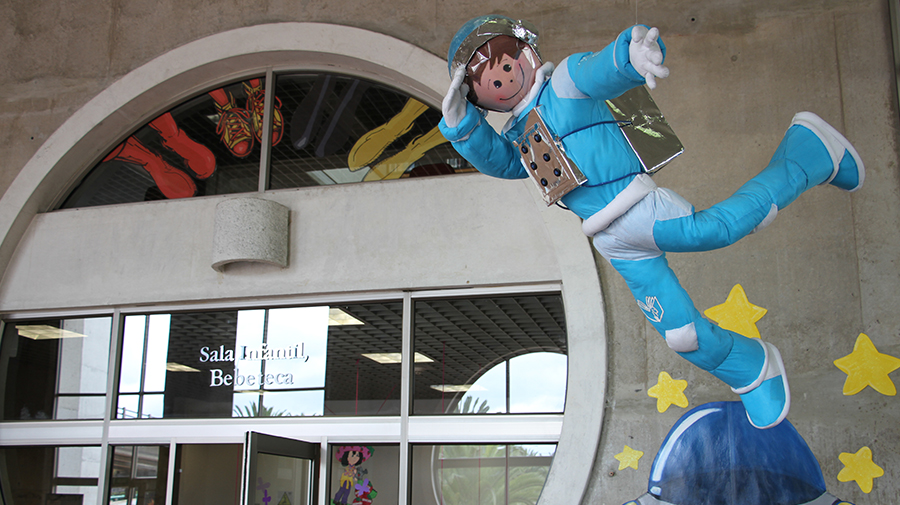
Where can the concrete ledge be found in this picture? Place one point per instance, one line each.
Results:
(250, 230)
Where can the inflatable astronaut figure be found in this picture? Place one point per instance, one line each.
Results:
(495, 63)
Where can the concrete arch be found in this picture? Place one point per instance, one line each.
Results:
(199, 65)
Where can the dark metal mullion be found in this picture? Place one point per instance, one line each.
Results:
(262, 362)
(265, 150)
(143, 365)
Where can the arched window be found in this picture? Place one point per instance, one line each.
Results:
(314, 129)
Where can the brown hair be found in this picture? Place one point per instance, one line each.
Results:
(493, 51)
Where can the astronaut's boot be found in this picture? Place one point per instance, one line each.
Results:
(847, 169)
(767, 398)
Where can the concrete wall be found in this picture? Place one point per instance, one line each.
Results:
(827, 270)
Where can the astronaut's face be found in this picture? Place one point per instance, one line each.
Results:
(503, 85)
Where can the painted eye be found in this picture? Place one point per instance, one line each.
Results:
(507, 67)
(498, 84)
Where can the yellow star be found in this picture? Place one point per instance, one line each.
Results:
(668, 391)
(865, 366)
(859, 467)
(737, 313)
(629, 457)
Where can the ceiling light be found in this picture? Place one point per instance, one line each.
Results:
(337, 317)
(178, 367)
(45, 332)
(457, 388)
(395, 357)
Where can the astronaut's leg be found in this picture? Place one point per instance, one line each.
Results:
(811, 153)
(752, 368)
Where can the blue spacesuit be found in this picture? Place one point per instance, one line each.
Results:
(633, 222)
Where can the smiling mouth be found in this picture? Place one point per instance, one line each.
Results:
(522, 80)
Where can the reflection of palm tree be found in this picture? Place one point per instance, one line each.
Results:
(484, 481)
(253, 410)
(470, 405)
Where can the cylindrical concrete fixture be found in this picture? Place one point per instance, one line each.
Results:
(250, 230)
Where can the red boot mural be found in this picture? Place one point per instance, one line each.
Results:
(234, 124)
(198, 157)
(256, 99)
(172, 182)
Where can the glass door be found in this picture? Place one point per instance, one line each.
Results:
(280, 471)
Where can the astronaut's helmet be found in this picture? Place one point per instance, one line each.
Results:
(478, 31)
(714, 455)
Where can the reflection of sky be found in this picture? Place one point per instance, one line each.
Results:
(157, 352)
(537, 384)
(304, 326)
(132, 354)
(248, 333)
(154, 368)
(491, 387)
(539, 449)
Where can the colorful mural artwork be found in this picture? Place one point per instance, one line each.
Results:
(323, 129)
(171, 181)
(355, 488)
(371, 145)
(714, 455)
(239, 128)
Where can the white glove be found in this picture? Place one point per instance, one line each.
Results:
(454, 104)
(646, 56)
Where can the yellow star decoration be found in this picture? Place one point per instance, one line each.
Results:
(737, 313)
(629, 458)
(668, 391)
(865, 366)
(859, 467)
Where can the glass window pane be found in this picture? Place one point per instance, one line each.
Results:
(55, 369)
(487, 395)
(138, 475)
(532, 393)
(128, 407)
(462, 348)
(207, 474)
(296, 361)
(157, 349)
(341, 129)
(49, 475)
(80, 407)
(282, 480)
(132, 354)
(479, 474)
(363, 474)
(297, 341)
(363, 367)
(208, 145)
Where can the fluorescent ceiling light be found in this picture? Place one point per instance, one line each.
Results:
(45, 332)
(395, 357)
(178, 367)
(337, 317)
(457, 388)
